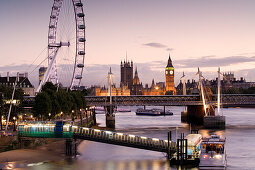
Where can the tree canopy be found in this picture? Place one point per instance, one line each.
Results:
(60, 99)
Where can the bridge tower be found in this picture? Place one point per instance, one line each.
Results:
(110, 117)
(169, 73)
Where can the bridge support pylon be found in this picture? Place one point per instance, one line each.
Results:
(195, 114)
(184, 115)
(71, 147)
(110, 116)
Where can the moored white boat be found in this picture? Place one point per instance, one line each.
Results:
(213, 153)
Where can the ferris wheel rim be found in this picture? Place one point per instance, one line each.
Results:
(79, 42)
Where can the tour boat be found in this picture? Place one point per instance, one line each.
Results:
(147, 112)
(152, 112)
(213, 153)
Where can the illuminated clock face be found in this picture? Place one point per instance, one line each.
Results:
(171, 72)
(166, 72)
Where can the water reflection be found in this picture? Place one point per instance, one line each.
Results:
(239, 132)
(125, 165)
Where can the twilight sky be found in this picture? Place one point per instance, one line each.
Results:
(197, 33)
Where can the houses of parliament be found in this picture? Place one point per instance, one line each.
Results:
(130, 83)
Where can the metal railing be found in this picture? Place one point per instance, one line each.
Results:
(123, 139)
(49, 130)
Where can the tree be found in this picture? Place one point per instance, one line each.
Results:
(56, 108)
(42, 106)
(64, 100)
(49, 86)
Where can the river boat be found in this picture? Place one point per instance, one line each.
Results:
(213, 153)
(152, 112)
(166, 113)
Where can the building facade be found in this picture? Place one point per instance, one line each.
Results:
(22, 82)
(121, 91)
(154, 89)
(126, 74)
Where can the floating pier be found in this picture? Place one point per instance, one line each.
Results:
(214, 122)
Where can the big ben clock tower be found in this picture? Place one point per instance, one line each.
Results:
(169, 72)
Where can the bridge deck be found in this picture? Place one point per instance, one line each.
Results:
(49, 130)
(171, 100)
(246, 100)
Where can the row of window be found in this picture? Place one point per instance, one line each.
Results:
(12, 84)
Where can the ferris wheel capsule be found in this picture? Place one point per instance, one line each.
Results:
(80, 15)
(82, 39)
(81, 26)
(81, 53)
(79, 4)
(78, 77)
(80, 65)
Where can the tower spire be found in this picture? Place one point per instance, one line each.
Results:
(169, 64)
(136, 73)
(126, 56)
(110, 70)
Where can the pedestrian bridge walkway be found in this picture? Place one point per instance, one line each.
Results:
(65, 130)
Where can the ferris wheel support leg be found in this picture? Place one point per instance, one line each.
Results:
(48, 72)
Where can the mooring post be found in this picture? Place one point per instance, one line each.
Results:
(94, 116)
(68, 147)
(75, 147)
(169, 138)
(87, 117)
(164, 110)
(144, 107)
(20, 142)
(110, 117)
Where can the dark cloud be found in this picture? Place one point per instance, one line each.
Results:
(169, 49)
(212, 61)
(158, 45)
(155, 45)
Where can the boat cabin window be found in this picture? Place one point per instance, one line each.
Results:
(218, 148)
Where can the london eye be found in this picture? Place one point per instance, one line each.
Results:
(66, 44)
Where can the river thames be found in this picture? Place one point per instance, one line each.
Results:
(239, 132)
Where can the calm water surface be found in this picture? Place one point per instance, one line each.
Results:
(240, 145)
